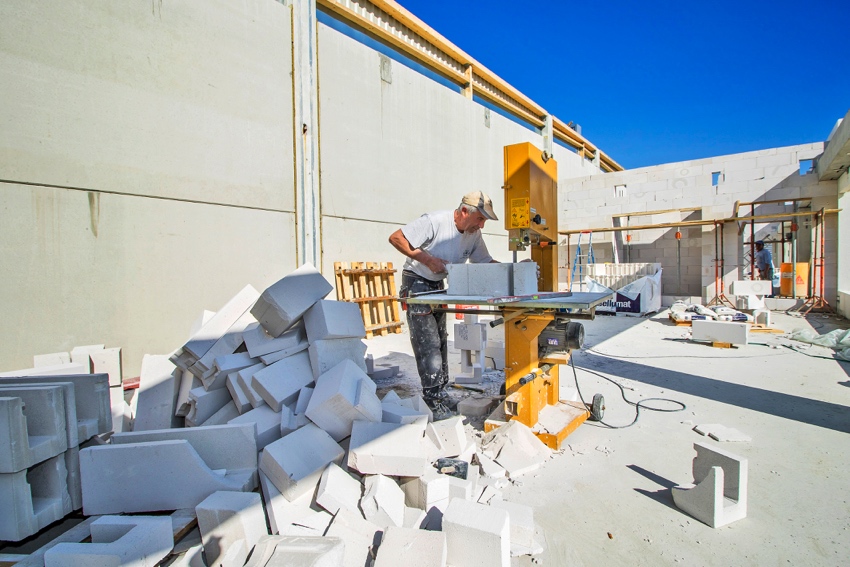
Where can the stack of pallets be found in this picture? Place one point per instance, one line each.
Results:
(372, 286)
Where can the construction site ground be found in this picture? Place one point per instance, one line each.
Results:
(605, 498)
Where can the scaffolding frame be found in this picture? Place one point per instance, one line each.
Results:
(814, 300)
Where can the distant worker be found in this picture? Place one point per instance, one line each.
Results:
(764, 261)
(430, 243)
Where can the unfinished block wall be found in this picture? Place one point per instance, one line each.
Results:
(712, 187)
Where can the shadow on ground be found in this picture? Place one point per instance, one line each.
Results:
(805, 410)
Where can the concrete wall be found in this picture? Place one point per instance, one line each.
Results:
(592, 201)
(146, 167)
(146, 164)
(844, 251)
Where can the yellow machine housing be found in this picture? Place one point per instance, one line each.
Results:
(531, 217)
(531, 208)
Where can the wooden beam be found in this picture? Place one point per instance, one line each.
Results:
(648, 213)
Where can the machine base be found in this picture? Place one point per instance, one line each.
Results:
(553, 425)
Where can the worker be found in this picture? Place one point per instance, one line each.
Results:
(764, 261)
(430, 243)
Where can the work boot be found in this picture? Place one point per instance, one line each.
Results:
(440, 402)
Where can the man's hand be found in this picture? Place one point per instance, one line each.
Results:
(436, 265)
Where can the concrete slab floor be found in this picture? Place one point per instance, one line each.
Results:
(605, 498)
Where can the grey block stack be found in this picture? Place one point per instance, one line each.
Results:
(43, 419)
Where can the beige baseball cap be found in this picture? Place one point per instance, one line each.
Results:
(480, 201)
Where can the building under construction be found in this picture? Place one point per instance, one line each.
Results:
(159, 157)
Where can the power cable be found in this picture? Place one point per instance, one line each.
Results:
(637, 405)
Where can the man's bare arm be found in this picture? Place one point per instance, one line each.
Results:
(400, 243)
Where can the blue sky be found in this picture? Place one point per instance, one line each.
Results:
(657, 82)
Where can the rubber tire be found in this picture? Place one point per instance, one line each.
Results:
(502, 389)
(597, 408)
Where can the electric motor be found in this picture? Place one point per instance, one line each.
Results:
(560, 336)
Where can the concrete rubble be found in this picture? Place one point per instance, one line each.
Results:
(267, 424)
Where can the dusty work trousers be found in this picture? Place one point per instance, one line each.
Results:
(428, 335)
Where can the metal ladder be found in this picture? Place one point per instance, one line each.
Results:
(577, 260)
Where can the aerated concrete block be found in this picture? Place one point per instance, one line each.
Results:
(286, 301)
(164, 475)
(427, 490)
(34, 498)
(718, 495)
(202, 341)
(280, 511)
(751, 287)
(226, 365)
(240, 398)
(343, 395)
(231, 447)
(222, 416)
(333, 320)
(55, 370)
(383, 501)
(244, 378)
(51, 359)
(298, 551)
(360, 537)
(157, 393)
(477, 535)
(388, 448)
(720, 332)
(420, 548)
(81, 355)
(521, 519)
(280, 383)
(470, 336)
(324, 355)
(451, 434)
(493, 280)
(313, 524)
(71, 429)
(231, 523)
(295, 463)
(107, 361)
(73, 481)
(205, 403)
(32, 426)
(395, 413)
(91, 398)
(762, 317)
(204, 368)
(141, 541)
(415, 518)
(266, 422)
(260, 343)
(187, 382)
(476, 406)
(121, 417)
(337, 489)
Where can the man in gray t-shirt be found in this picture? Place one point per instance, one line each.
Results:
(430, 243)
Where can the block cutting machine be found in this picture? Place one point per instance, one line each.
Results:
(540, 329)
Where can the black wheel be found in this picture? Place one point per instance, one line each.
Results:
(597, 408)
(502, 389)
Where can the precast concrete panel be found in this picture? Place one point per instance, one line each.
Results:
(186, 100)
(126, 271)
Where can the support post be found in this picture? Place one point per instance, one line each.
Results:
(305, 90)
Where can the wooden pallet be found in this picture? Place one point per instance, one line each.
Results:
(372, 286)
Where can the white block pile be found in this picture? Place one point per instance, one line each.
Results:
(275, 398)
